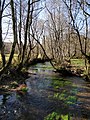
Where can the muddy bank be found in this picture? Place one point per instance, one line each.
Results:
(12, 79)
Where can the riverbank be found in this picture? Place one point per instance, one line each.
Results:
(12, 80)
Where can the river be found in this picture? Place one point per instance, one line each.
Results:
(49, 97)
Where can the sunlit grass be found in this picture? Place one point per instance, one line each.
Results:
(14, 60)
(58, 116)
(7, 56)
(78, 62)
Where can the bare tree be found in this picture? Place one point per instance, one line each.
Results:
(29, 18)
(75, 10)
(56, 28)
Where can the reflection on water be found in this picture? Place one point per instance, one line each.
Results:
(3, 98)
(49, 97)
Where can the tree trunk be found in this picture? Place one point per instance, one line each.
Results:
(1, 41)
(14, 33)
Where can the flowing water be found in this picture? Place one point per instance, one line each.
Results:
(49, 97)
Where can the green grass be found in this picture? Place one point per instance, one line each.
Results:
(58, 116)
(78, 62)
(15, 58)
(7, 56)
